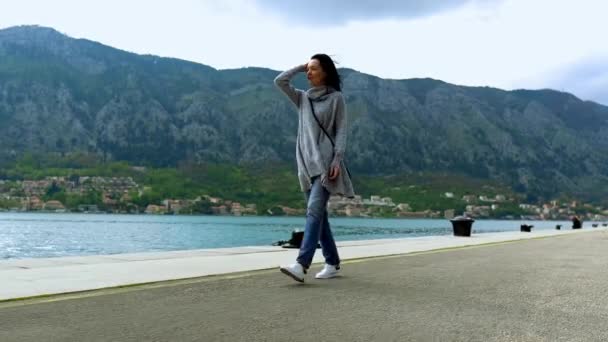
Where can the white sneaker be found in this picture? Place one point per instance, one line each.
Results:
(296, 271)
(329, 271)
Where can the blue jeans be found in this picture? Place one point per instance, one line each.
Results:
(317, 228)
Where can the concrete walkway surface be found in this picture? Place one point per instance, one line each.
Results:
(20, 278)
(545, 289)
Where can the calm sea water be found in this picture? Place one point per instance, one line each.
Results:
(38, 235)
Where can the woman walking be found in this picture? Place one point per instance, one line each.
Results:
(320, 147)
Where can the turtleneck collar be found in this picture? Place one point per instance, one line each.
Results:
(319, 93)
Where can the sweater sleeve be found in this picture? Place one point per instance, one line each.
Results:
(341, 130)
(283, 81)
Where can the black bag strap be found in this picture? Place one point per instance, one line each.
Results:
(312, 108)
(319, 122)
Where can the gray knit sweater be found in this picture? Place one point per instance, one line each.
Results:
(314, 151)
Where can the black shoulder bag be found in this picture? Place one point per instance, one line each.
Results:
(312, 107)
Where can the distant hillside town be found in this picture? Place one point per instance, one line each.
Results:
(123, 195)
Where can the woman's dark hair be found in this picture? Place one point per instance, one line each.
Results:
(332, 77)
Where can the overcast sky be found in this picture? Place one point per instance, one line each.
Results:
(507, 44)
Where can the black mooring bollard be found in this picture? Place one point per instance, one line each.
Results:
(461, 225)
(526, 228)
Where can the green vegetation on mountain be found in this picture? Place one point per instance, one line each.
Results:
(269, 186)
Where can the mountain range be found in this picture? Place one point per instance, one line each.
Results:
(64, 95)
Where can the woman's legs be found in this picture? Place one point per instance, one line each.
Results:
(328, 245)
(317, 228)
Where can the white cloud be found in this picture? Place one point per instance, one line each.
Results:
(587, 78)
(338, 12)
